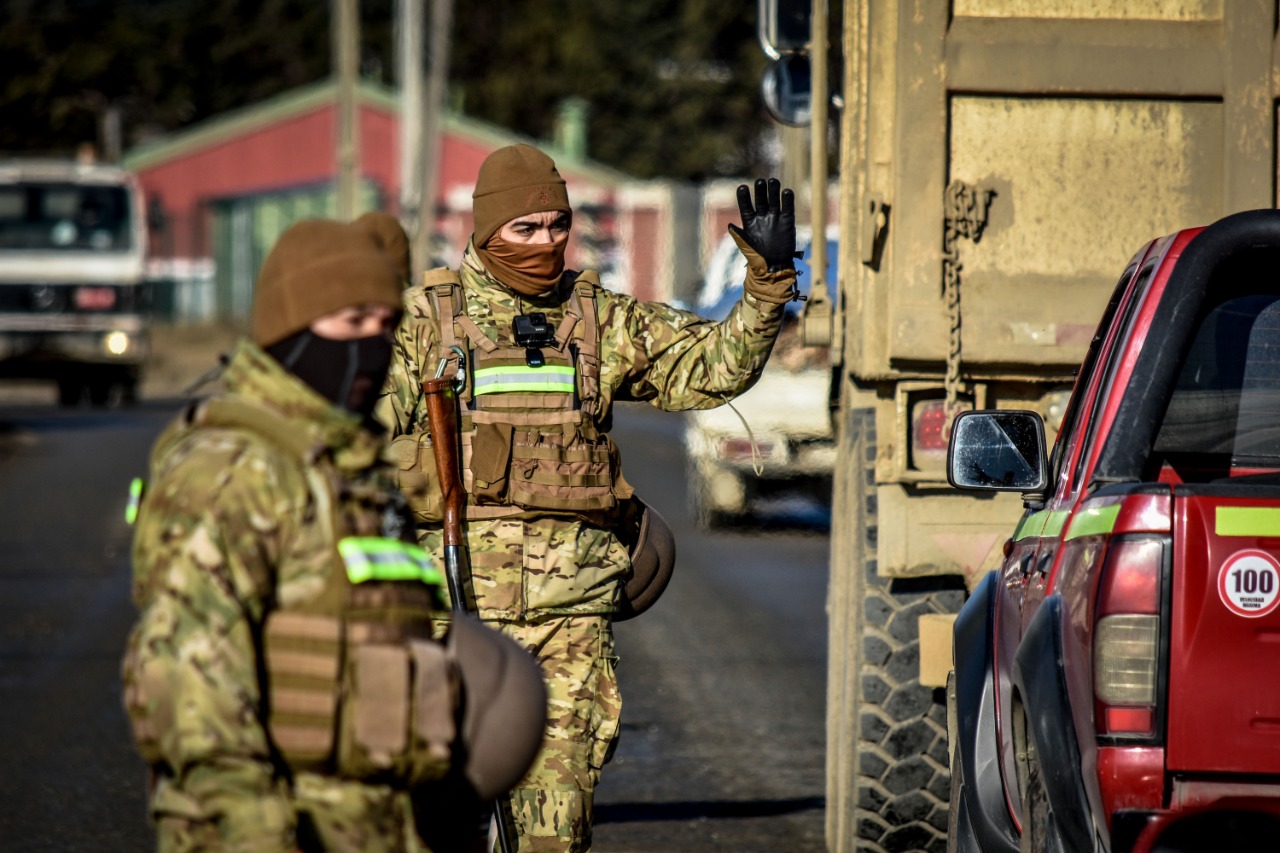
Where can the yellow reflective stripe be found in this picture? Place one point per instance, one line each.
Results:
(1030, 525)
(1094, 521)
(374, 558)
(136, 487)
(1246, 521)
(1038, 524)
(1054, 523)
(549, 378)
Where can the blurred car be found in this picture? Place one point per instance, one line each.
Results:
(775, 440)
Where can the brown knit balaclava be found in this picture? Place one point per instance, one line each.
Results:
(515, 181)
(320, 265)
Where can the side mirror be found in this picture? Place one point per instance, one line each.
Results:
(998, 450)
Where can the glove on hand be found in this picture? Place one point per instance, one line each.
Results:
(777, 288)
(770, 226)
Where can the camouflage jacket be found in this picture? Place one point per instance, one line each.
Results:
(227, 532)
(650, 352)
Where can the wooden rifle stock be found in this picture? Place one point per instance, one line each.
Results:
(442, 421)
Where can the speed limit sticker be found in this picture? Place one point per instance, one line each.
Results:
(1249, 583)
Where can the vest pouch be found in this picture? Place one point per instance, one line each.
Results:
(303, 654)
(373, 739)
(398, 724)
(557, 467)
(489, 462)
(417, 476)
(622, 490)
(433, 726)
(588, 378)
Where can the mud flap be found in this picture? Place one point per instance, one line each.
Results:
(983, 823)
(1038, 673)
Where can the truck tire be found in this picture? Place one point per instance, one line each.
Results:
(70, 390)
(1036, 815)
(888, 767)
(100, 388)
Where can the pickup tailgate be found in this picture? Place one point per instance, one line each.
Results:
(1224, 671)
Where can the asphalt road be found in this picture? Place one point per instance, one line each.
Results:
(723, 680)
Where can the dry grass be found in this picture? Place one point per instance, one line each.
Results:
(179, 356)
(182, 354)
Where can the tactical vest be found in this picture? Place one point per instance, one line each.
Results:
(530, 439)
(356, 687)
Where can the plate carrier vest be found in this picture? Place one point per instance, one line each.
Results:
(530, 438)
(356, 687)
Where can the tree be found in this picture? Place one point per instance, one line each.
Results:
(671, 85)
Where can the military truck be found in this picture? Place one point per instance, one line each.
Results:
(998, 161)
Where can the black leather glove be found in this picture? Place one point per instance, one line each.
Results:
(769, 227)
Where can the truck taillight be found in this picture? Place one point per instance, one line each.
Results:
(1127, 638)
(929, 433)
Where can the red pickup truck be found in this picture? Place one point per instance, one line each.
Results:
(1117, 680)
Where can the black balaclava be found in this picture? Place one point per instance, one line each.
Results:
(346, 373)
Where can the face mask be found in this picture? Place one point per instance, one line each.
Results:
(346, 373)
(530, 269)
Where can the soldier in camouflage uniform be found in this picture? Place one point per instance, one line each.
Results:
(275, 571)
(545, 493)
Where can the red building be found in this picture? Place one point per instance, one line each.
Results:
(227, 187)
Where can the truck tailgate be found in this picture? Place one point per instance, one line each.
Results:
(1224, 689)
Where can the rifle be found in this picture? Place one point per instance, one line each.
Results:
(442, 420)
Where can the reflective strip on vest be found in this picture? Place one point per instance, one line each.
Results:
(372, 558)
(136, 488)
(550, 379)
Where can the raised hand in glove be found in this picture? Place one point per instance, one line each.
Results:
(767, 239)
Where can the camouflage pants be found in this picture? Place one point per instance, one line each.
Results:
(331, 815)
(553, 802)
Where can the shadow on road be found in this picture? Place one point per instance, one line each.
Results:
(695, 810)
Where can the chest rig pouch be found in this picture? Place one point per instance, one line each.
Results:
(528, 420)
(355, 685)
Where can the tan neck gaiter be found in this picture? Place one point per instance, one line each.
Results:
(527, 268)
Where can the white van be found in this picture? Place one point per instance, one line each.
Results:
(775, 440)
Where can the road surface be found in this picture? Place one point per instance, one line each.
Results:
(723, 680)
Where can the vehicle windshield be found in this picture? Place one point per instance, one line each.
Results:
(64, 217)
(1227, 398)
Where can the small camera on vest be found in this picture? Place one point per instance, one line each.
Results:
(532, 331)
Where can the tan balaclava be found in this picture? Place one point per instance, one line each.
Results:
(515, 181)
(317, 267)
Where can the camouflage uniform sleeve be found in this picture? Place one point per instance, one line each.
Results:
(397, 407)
(209, 538)
(677, 360)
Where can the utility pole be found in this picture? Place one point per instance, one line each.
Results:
(433, 124)
(346, 52)
(409, 63)
(816, 326)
